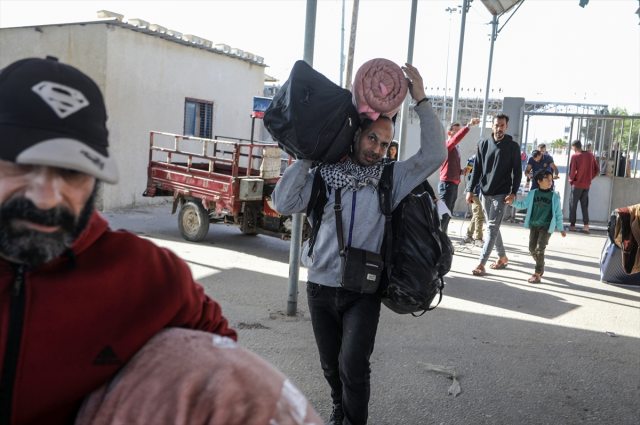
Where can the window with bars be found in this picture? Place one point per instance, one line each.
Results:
(198, 117)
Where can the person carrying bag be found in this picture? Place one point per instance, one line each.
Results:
(344, 320)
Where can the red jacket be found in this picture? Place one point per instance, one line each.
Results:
(583, 169)
(450, 170)
(81, 324)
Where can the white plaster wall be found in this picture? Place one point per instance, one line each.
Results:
(145, 80)
(623, 192)
(598, 201)
(148, 79)
(626, 192)
(81, 46)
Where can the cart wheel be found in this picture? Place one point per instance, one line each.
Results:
(193, 221)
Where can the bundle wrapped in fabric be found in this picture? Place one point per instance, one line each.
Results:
(379, 88)
(183, 376)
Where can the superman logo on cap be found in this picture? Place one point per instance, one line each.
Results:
(62, 99)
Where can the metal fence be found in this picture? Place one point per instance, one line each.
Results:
(613, 140)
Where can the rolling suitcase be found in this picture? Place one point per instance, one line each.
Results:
(611, 270)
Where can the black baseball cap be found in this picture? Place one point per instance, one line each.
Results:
(53, 114)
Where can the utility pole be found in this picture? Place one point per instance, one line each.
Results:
(405, 105)
(454, 112)
(485, 108)
(446, 76)
(342, 48)
(296, 230)
(352, 43)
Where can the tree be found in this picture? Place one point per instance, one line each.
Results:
(558, 143)
(601, 133)
(620, 133)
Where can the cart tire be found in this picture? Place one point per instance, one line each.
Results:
(193, 221)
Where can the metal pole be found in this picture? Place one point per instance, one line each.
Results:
(342, 48)
(615, 167)
(296, 230)
(602, 128)
(454, 112)
(352, 42)
(485, 108)
(626, 159)
(310, 31)
(613, 132)
(568, 172)
(617, 156)
(635, 158)
(446, 75)
(586, 135)
(526, 135)
(405, 105)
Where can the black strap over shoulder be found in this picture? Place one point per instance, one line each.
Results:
(337, 208)
(317, 202)
(385, 193)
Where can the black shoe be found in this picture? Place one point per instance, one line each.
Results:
(337, 416)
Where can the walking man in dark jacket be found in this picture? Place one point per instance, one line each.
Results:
(498, 169)
(451, 171)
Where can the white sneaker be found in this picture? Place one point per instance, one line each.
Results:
(467, 239)
(479, 243)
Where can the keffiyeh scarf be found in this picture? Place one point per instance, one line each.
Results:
(351, 175)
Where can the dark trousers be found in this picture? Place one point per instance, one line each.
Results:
(345, 325)
(582, 196)
(448, 192)
(538, 240)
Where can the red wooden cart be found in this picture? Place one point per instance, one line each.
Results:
(229, 181)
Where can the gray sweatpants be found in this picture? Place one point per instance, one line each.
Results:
(494, 209)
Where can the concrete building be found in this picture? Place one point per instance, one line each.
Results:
(152, 78)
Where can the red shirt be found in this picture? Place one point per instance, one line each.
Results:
(450, 170)
(81, 324)
(583, 169)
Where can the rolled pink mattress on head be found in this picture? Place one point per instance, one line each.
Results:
(379, 88)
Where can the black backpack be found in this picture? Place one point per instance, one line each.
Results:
(418, 254)
(311, 117)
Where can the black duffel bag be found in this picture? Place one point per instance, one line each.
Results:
(311, 117)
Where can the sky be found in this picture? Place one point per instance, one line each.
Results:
(551, 50)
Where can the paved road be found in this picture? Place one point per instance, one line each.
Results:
(526, 354)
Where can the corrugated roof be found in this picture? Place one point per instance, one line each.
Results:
(170, 35)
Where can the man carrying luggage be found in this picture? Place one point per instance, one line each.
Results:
(77, 300)
(345, 322)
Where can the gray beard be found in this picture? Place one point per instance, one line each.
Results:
(31, 247)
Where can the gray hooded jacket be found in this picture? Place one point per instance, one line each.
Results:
(362, 218)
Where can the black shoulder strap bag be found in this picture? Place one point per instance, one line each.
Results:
(361, 270)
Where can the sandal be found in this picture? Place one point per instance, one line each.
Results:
(533, 279)
(497, 265)
(479, 271)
